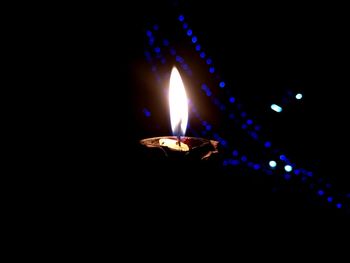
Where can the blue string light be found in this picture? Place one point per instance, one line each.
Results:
(276, 108)
(299, 96)
(288, 168)
(320, 192)
(272, 164)
(155, 27)
(146, 112)
(232, 100)
(208, 128)
(267, 144)
(166, 42)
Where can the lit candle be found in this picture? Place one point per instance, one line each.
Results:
(178, 108)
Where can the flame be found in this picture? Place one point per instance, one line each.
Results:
(178, 104)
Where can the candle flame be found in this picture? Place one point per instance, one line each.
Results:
(178, 104)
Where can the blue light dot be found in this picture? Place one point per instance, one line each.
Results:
(163, 61)
(172, 52)
(256, 166)
(298, 96)
(254, 135)
(283, 157)
(232, 100)
(157, 49)
(149, 33)
(185, 26)
(309, 174)
(330, 199)
(244, 158)
(339, 205)
(320, 192)
(268, 172)
(204, 123)
(189, 32)
(179, 59)
(225, 163)
(222, 84)
(211, 69)
(257, 127)
(288, 168)
(272, 164)
(208, 93)
(234, 162)
(147, 112)
(276, 108)
(156, 27)
(202, 55)
(198, 47)
(267, 144)
(208, 127)
(151, 41)
(249, 122)
(243, 114)
(244, 126)
(148, 55)
(166, 42)
(296, 171)
(194, 39)
(287, 176)
(181, 18)
(231, 116)
(209, 61)
(235, 153)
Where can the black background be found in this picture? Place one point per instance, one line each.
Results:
(99, 52)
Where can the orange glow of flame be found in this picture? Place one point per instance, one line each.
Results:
(178, 104)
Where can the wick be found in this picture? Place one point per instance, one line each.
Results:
(178, 141)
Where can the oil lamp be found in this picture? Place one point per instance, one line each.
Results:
(179, 145)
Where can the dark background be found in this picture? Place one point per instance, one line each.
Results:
(262, 51)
